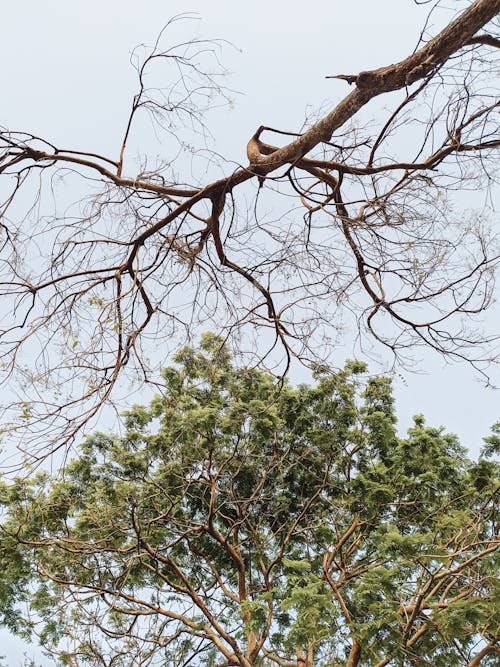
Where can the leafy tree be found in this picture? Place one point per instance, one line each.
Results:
(362, 222)
(237, 523)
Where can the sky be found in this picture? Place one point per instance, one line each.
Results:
(66, 76)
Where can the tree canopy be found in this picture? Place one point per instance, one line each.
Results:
(235, 522)
(347, 221)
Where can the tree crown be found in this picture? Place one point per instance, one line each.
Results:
(236, 522)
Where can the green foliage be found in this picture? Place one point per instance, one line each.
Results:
(238, 521)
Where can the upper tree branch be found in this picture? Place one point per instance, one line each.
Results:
(372, 83)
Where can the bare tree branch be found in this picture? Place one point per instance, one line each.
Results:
(140, 261)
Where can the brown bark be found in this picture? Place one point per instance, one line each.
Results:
(476, 660)
(354, 654)
(385, 79)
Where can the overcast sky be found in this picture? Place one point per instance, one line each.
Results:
(66, 75)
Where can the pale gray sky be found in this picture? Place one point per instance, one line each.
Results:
(66, 75)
